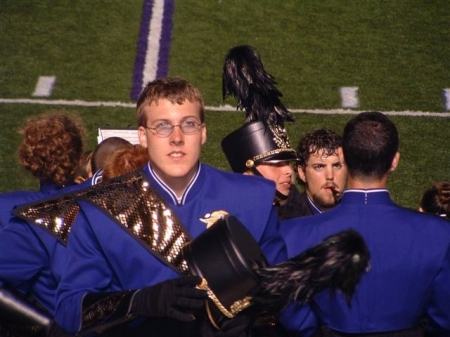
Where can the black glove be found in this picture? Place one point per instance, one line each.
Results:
(172, 298)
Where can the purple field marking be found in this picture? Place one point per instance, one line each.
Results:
(141, 51)
(143, 45)
(166, 38)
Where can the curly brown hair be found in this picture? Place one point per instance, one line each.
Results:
(52, 146)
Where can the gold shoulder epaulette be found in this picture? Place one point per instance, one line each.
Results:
(56, 215)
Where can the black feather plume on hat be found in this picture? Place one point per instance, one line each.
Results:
(337, 263)
(245, 78)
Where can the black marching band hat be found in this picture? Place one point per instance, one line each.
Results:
(236, 274)
(262, 138)
(226, 256)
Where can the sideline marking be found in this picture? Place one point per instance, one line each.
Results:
(224, 108)
(349, 97)
(44, 86)
(446, 98)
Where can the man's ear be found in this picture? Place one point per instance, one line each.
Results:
(204, 136)
(340, 154)
(142, 136)
(301, 173)
(395, 161)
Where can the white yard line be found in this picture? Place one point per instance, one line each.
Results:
(224, 108)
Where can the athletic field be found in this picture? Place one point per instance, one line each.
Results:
(331, 59)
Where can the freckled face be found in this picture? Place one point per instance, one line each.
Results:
(175, 157)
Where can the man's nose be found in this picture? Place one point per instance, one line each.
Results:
(177, 135)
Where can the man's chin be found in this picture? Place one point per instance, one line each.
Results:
(325, 203)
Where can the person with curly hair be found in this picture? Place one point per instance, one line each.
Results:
(436, 199)
(52, 146)
(321, 171)
(51, 149)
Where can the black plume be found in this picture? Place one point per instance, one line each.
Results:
(338, 262)
(254, 89)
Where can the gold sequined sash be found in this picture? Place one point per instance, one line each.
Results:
(134, 204)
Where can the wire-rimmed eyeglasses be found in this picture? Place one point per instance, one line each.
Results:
(165, 129)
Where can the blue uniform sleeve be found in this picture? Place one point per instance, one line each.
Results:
(271, 242)
(439, 309)
(86, 271)
(299, 320)
(22, 255)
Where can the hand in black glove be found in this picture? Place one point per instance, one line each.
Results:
(172, 298)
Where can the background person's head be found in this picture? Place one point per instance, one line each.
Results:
(320, 168)
(370, 146)
(279, 172)
(84, 171)
(52, 146)
(170, 116)
(436, 199)
(125, 159)
(104, 149)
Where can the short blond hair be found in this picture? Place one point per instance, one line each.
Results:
(174, 89)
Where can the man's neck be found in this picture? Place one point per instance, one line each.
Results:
(178, 185)
(365, 183)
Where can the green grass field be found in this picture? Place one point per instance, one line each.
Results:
(396, 52)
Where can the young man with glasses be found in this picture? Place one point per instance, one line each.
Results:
(119, 264)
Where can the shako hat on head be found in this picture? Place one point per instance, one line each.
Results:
(262, 138)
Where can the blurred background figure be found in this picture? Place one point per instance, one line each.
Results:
(126, 158)
(101, 153)
(104, 149)
(321, 170)
(436, 199)
(84, 171)
(52, 146)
